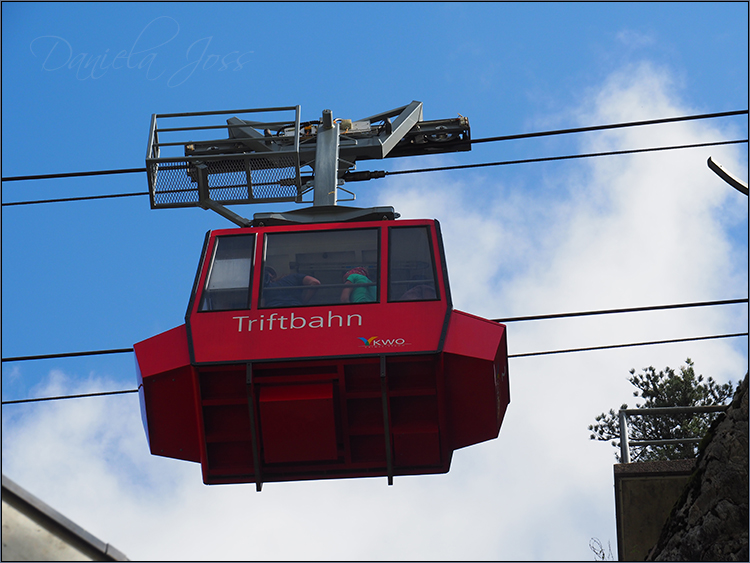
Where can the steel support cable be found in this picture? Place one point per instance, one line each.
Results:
(381, 174)
(66, 199)
(484, 140)
(610, 126)
(565, 157)
(527, 354)
(505, 320)
(74, 174)
(79, 396)
(68, 355)
(629, 345)
(625, 310)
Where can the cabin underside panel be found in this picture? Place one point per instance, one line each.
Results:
(323, 419)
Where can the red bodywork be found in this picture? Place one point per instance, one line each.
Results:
(321, 392)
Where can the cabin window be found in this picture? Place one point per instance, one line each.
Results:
(411, 267)
(320, 268)
(229, 275)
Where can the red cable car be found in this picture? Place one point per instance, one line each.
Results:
(258, 386)
(323, 350)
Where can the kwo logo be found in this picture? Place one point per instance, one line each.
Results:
(375, 342)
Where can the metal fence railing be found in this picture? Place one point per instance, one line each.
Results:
(229, 161)
(625, 443)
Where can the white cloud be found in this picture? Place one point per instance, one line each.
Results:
(636, 230)
(621, 231)
(634, 38)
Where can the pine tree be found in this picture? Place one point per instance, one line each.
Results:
(665, 389)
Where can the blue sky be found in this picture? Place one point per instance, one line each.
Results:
(79, 84)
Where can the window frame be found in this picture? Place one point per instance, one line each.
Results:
(433, 262)
(205, 291)
(376, 231)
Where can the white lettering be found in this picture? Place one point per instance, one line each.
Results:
(151, 56)
(291, 321)
(120, 55)
(191, 66)
(213, 59)
(224, 64)
(270, 321)
(239, 327)
(240, 62)
(58, 53)
(44, 64)
(388, 342)
(331, 316)
(300, 321)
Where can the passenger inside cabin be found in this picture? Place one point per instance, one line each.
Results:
(359, 287)
(420, 290)
(288, 291)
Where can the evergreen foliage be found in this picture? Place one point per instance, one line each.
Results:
(665, 388)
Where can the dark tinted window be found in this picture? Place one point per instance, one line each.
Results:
(320, 268)
(411, 268)
(228, 281)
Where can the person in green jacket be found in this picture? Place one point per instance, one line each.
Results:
(355, 290)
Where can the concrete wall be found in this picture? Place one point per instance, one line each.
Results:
(33, 531)
(645, 493)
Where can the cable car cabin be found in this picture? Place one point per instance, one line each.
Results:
(322, 351)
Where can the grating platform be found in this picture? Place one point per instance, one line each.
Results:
(256, 162)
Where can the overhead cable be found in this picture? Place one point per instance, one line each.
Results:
(368, 175)
(565, 157)
(610, 126)
(626, 310)
(59, 397)
(473, 141)
(66, 199)
(527, 354)
(68, 355)
(73, 174)
(505, 320)
(631, 345)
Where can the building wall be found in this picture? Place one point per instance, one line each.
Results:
(645, 493)
(33, 531)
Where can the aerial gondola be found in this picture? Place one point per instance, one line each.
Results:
(318, 344)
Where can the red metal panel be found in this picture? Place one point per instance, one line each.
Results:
(166, 388)
(308, 332)
(224, 420)
(416, 448)
(472, 336)
(163, 352)
(298, 423)
(171, 415)
(476, 367)
(324, 419)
